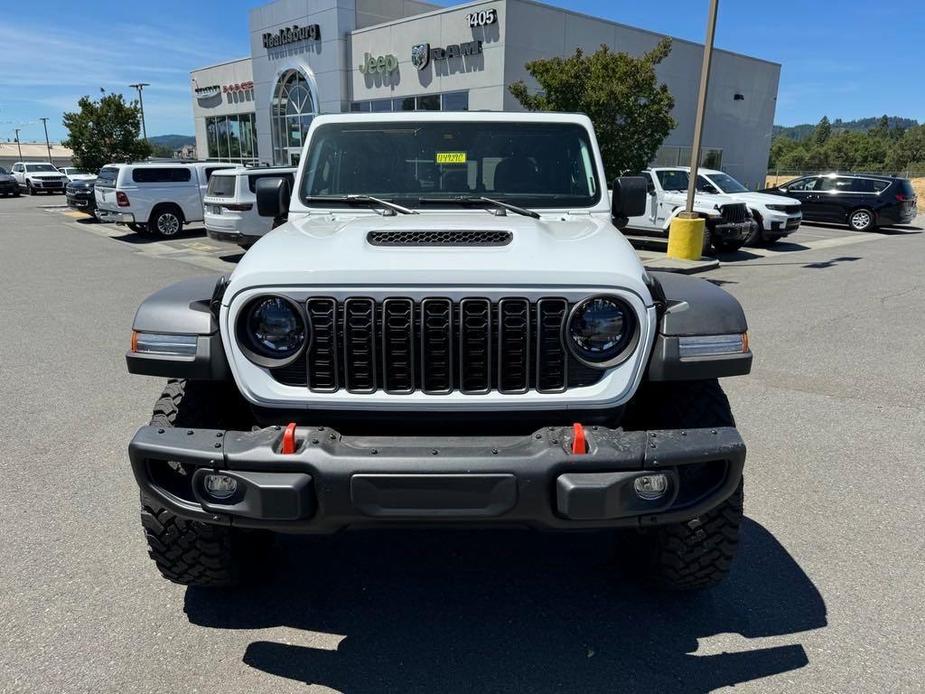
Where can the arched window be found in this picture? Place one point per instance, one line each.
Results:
(291, 112)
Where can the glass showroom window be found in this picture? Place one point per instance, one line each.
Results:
(232, 138)
(450, 101)
(291, 112)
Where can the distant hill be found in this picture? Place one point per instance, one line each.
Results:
(172, 141)
(801, 132)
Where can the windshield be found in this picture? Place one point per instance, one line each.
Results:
(672, 179)
(3, 171)
(41, 167)
(727, 183)
(529, 164)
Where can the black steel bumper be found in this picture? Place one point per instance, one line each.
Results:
(332, 481)
(732, 231)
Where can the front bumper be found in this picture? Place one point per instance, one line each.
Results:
(40, 184)
(229, 236)
(84, 203)
(731, 231)
(331, 481)
(110, 217)
(782, 224)
(9, 187)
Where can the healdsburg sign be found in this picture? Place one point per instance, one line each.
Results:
(293, 34)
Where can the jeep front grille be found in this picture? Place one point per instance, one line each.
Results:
(734, 213)
(436, 345)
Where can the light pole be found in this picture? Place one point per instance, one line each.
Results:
(686, 232)
(18, 146)
(140, 87)
(47, 143)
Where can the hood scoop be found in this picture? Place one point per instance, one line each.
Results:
(446, 237)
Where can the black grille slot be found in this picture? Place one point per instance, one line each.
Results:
(475, 346)
(513, 345)
(458, 237)
(322, 355)
(436, 345)
(551, 358)
(360, 345)
(398, 346)
(733, 214)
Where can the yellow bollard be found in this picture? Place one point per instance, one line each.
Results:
(685, 238)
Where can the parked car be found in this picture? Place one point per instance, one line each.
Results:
(8, 184)
(38, 177)
(774, 216)
(447, 329)
(153, 197)
(75, 174)
(863, 202)
(231, 204)
(728, 221)
(80, 196)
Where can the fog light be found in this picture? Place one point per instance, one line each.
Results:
(220, 486)
(651, 487)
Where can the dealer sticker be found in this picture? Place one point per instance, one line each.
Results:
(451, 157)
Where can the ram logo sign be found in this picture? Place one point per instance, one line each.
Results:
(422, 53)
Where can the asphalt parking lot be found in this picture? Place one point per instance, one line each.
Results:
(827, 593)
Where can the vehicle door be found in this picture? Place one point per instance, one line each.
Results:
(803, 189)
(672, 190)
(17, 172)
(647, 219)
(832, 197)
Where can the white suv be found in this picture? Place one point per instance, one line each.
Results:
(38, 177)
(231, 204)
(157, 198)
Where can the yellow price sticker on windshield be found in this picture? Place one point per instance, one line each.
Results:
(451, 157)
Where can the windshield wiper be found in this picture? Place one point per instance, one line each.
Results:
(361, 199)
(480, 199)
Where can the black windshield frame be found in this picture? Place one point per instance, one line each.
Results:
(404, 160)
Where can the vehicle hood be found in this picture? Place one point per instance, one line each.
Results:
(81, 184)
(6, 178)
(82, 177)
(765, 199)
(704, 202)
(558, 250)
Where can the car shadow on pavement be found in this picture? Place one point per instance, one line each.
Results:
(459, 611)
(133, 237)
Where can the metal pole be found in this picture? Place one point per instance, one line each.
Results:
(701, 106)
(47, 144)
(141, 102)
(18, 145)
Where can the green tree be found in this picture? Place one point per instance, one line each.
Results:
(620, 93)
(105, 131)
(823, 131)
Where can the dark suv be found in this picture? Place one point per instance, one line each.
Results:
(863, 202)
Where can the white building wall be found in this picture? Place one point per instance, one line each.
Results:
(224, 103)
(742, 129)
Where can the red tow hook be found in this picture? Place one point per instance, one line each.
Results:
(288, 446)
(579, 440)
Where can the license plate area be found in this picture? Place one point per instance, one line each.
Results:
(433, 495)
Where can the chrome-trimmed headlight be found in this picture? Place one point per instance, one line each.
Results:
(601, 331)
(272, 330)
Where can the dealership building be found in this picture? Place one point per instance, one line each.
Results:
(309, 57)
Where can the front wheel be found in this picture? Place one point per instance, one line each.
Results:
(697, 553)
(187, 552)
(861, 220)
(30, 190)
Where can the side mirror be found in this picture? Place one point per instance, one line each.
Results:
(273, 195)
(629, 197)
(782, 189)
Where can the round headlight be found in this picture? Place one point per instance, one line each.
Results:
(600, 331)
(272, 329)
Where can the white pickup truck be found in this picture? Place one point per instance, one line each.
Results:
(728, 221)
(154, 197)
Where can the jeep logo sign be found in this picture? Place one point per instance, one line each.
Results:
(382, 64)
(422, 53)
(293, 34)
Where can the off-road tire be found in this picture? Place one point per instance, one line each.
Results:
(188, 552)
(698, 553)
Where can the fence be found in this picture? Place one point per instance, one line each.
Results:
(777, 176)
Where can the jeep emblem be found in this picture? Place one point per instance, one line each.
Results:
(420, 55)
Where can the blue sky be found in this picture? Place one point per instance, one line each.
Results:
(850, 59)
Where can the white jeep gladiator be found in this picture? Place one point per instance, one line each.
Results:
(445, 328)
(729, 223)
